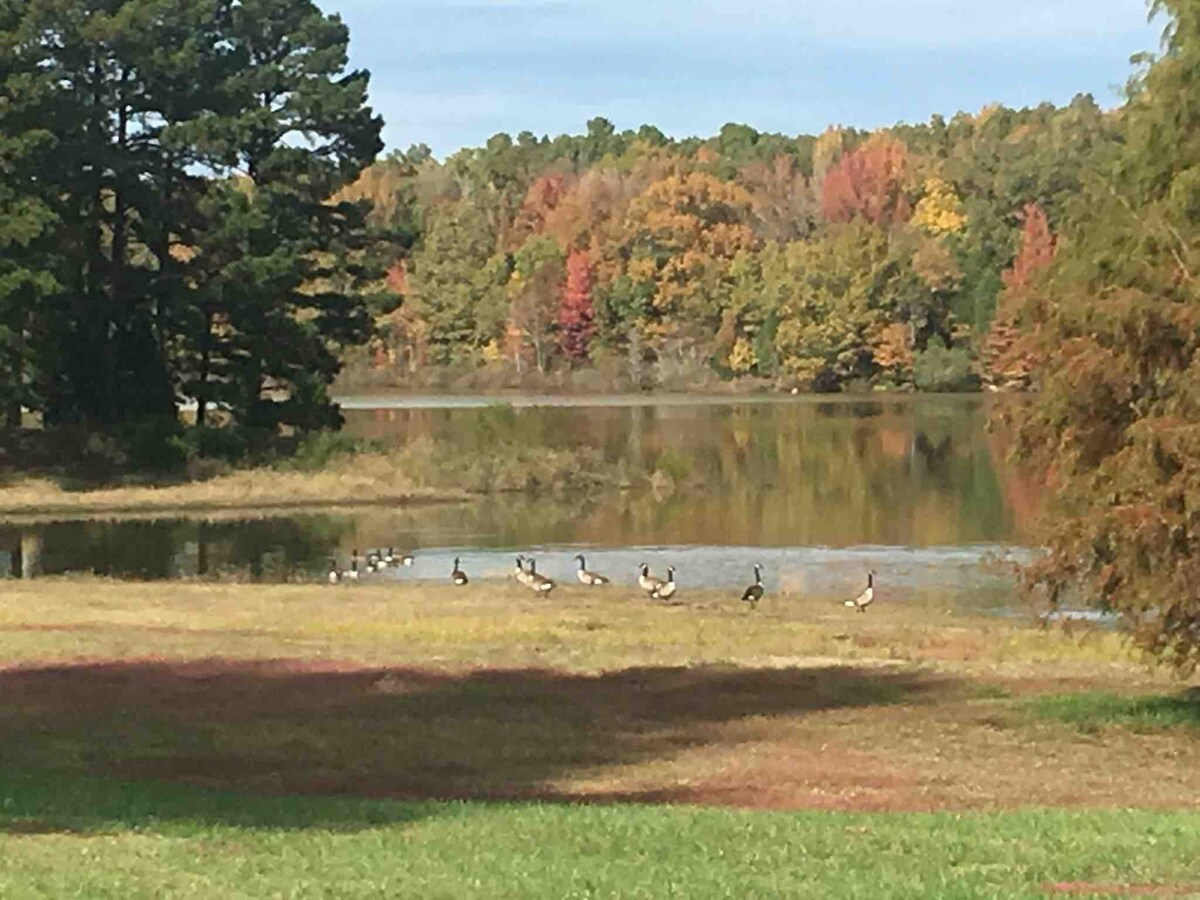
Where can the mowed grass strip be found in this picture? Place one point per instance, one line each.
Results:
(92, 838)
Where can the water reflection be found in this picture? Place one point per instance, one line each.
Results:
(817, 491)
(910, 472)
(257, 549)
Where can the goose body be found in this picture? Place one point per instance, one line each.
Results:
(647, 582)
(591, 579)
(866, 598)
(754, 593)
(334, 575)
(457, 575)
(666, 590)
(353, 573)
(538, 582)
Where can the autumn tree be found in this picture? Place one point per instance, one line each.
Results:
(837, 292)
(680, 236)
(576, 313)
(1115, 427)
(535, 291)
(1008, 353)
(868, 184)
(456, 291)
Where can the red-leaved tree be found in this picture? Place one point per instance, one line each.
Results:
(576, 315)
(1008, 353)
(868, 183)
(1035, 254)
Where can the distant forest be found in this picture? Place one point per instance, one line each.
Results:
(854, 260)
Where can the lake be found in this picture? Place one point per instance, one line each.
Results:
(818, 490)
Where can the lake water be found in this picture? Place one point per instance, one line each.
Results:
(816, 490)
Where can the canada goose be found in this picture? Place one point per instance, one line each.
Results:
(457, 575)
(539, 583)
(389, 558)
(353, 573)
(591, 579)
(519, 572)
(866, 598)
(666, 590)
(334, 575)
(647, 582)
(406, 559)
(374, 561)
(754, 593)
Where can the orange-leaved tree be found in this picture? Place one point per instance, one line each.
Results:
(576, 312)
(868, 184)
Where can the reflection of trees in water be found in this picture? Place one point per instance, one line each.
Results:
(274, 549)
(893, 471)
(767, 475)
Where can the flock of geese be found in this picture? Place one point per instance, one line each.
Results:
(376, 561)
(525, 573)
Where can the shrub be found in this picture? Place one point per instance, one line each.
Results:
(939, 368)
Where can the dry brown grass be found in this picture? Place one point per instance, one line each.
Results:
(264, 489)
(422, 471)
(426, 691)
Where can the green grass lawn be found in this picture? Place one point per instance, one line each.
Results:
(93, 838)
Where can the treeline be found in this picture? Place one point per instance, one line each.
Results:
(166, 229)
(848, 259)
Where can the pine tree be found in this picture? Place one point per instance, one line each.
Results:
(27, 218)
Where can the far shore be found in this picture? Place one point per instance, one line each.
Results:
(420, 472)
(390, 398)
(255, 490)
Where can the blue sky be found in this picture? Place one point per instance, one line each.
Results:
(454, 72)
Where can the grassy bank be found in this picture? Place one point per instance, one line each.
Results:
(421, 471)
(188, 740)
(490, 693)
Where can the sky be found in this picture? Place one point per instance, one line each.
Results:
(451, 73)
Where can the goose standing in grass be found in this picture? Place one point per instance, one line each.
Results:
(335, 574)
(538, 582)
(457, 575)
(866, 598)
(647, 582)
(519, 572)
(374, 561)
(666, 590)
(354, 559)
(591, 579)
(754, 593)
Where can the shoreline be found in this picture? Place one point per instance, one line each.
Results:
(215, 510)
(388, 398)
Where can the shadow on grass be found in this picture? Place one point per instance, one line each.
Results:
(274, 729)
